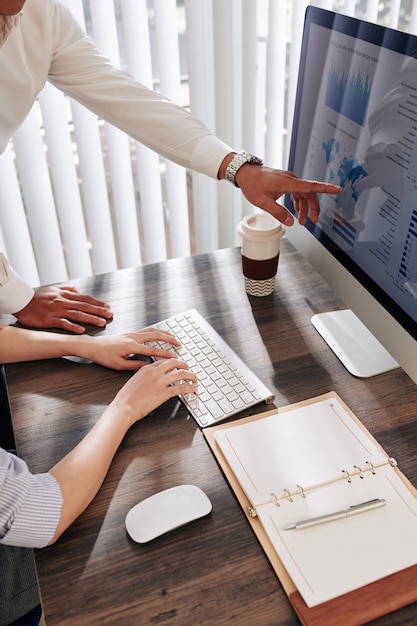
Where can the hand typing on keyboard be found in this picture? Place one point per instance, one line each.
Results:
(226, 385)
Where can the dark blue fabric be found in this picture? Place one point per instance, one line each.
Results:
(30, 619)
(7, 440)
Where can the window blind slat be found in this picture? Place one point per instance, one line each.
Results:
(168, 61)
(249, 75)
(275, 103)
(94, 189)
(394, 13)
(350, 8)
(227, 21)
(413, 18)
(372, 8)
(65, 183)
(120, 165)
(200, 56)
(39, 201)
(17, 242)
(253, 88)
(93, 176)
(139, 64)
(297, 22)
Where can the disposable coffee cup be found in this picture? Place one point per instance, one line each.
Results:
(261, 237)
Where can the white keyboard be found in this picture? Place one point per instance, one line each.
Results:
(226, 385)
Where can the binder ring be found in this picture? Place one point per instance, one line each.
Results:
(274, 495)
(359, 470)
(289, 495)
(303, 495)
(349, 479)
(371, 466)
(251, 511)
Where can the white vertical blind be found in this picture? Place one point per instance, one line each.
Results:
(63, 172)
(167, 55)
(394, 13)
(139, 63)
(105, 35)
(39, 200)
(93, 176)
(372, 11)
(276, 77)
(349, 8)
(17, 242)
(413, 20)
(297, 21)
(227, 23)
(77, 196)
(200, 57)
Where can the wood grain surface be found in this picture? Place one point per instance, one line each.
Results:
(212, 571)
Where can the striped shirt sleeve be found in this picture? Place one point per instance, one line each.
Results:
(30, 504)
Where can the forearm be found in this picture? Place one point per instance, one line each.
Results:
(19, 344)
(81, 472)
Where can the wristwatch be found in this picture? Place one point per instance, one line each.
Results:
(236, 163)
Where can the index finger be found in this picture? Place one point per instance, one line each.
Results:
(314, 186)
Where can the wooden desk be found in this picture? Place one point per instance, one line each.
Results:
(212, 571)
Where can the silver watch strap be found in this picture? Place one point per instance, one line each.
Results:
(236, 163)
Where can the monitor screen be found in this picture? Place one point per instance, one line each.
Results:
(355, 124)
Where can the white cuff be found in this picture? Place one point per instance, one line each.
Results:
(15, 294)
(209, 154)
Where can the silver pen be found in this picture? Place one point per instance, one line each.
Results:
(330, 517)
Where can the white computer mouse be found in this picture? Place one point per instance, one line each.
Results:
(165, 511)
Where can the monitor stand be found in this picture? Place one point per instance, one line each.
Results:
(355, 346)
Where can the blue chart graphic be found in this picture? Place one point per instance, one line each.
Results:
(348, 93)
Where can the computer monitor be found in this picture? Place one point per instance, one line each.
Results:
(355, 124)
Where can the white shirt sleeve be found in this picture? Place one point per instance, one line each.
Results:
(15, 294)
(30, 504)
(80, 70)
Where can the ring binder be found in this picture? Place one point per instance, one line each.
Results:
(360, 471)
(348, 478)
(289, 495)
(251, 511)
(303, 495)
(371, 466)
(274, 495)
(304, 562)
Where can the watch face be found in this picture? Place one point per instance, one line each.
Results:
(254, 160)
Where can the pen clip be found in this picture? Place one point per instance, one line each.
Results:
(365, 505)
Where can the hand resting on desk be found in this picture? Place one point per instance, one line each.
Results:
(62, 306)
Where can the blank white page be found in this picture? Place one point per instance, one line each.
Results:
(311, 445)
